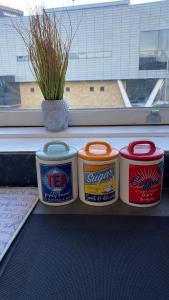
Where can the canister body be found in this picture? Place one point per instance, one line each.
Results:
(98, 181)
(57, 181)
(141, 181)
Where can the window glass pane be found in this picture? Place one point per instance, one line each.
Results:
(90, 55)
(67, 89)
(164, 40)
(138, 90)
(118, 58)
(149, 41)
(99, 54)
(82, 55)
(73, 55)
(91, 88)
(154, 50)
(9, 92)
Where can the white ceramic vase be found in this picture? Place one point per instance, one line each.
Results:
(55, 114)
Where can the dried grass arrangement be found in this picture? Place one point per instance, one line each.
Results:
(48, 51)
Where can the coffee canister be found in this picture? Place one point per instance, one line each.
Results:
(56, 166)
(98, 170)
(141, 173)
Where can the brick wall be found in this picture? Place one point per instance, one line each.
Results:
(79, 96)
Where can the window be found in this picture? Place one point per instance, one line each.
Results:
(139, 90)
(9, 92)
(96, 54)
(154, 50)
(118, 63)
(91, 88)
(82, 55)
(23, 58)
(73, 55)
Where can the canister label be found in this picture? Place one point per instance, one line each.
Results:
(99, 182)
(145, 183)
(56, 182)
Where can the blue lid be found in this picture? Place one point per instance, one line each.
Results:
(56, 150)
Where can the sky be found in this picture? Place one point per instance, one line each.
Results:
(25, 4)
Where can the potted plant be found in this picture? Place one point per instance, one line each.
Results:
(48, 44)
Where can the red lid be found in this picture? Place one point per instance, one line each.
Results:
(142, 150)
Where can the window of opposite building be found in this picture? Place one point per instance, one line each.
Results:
(67, 89)
(154, 50)
(91, 88)
(22, 58)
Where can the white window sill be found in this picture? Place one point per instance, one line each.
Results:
(18, 139)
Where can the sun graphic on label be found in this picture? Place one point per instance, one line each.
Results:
(145, 179)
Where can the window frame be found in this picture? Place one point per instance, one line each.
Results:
(89, 117)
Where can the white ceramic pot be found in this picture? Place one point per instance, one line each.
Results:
(55, 114)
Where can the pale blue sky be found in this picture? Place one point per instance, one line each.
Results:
(25, 4)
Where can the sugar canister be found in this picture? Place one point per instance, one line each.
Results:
(98, 170)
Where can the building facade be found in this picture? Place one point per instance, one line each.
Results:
(6, 11)
(119, 56)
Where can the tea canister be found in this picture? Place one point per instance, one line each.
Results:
(56, 166)
(141, 173)
(98, 170)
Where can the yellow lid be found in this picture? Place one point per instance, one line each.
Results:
(98, 150)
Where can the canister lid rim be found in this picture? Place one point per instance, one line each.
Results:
(114, 154)
(52, 156)
(159, 153)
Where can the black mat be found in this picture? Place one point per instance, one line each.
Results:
(88, 258)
